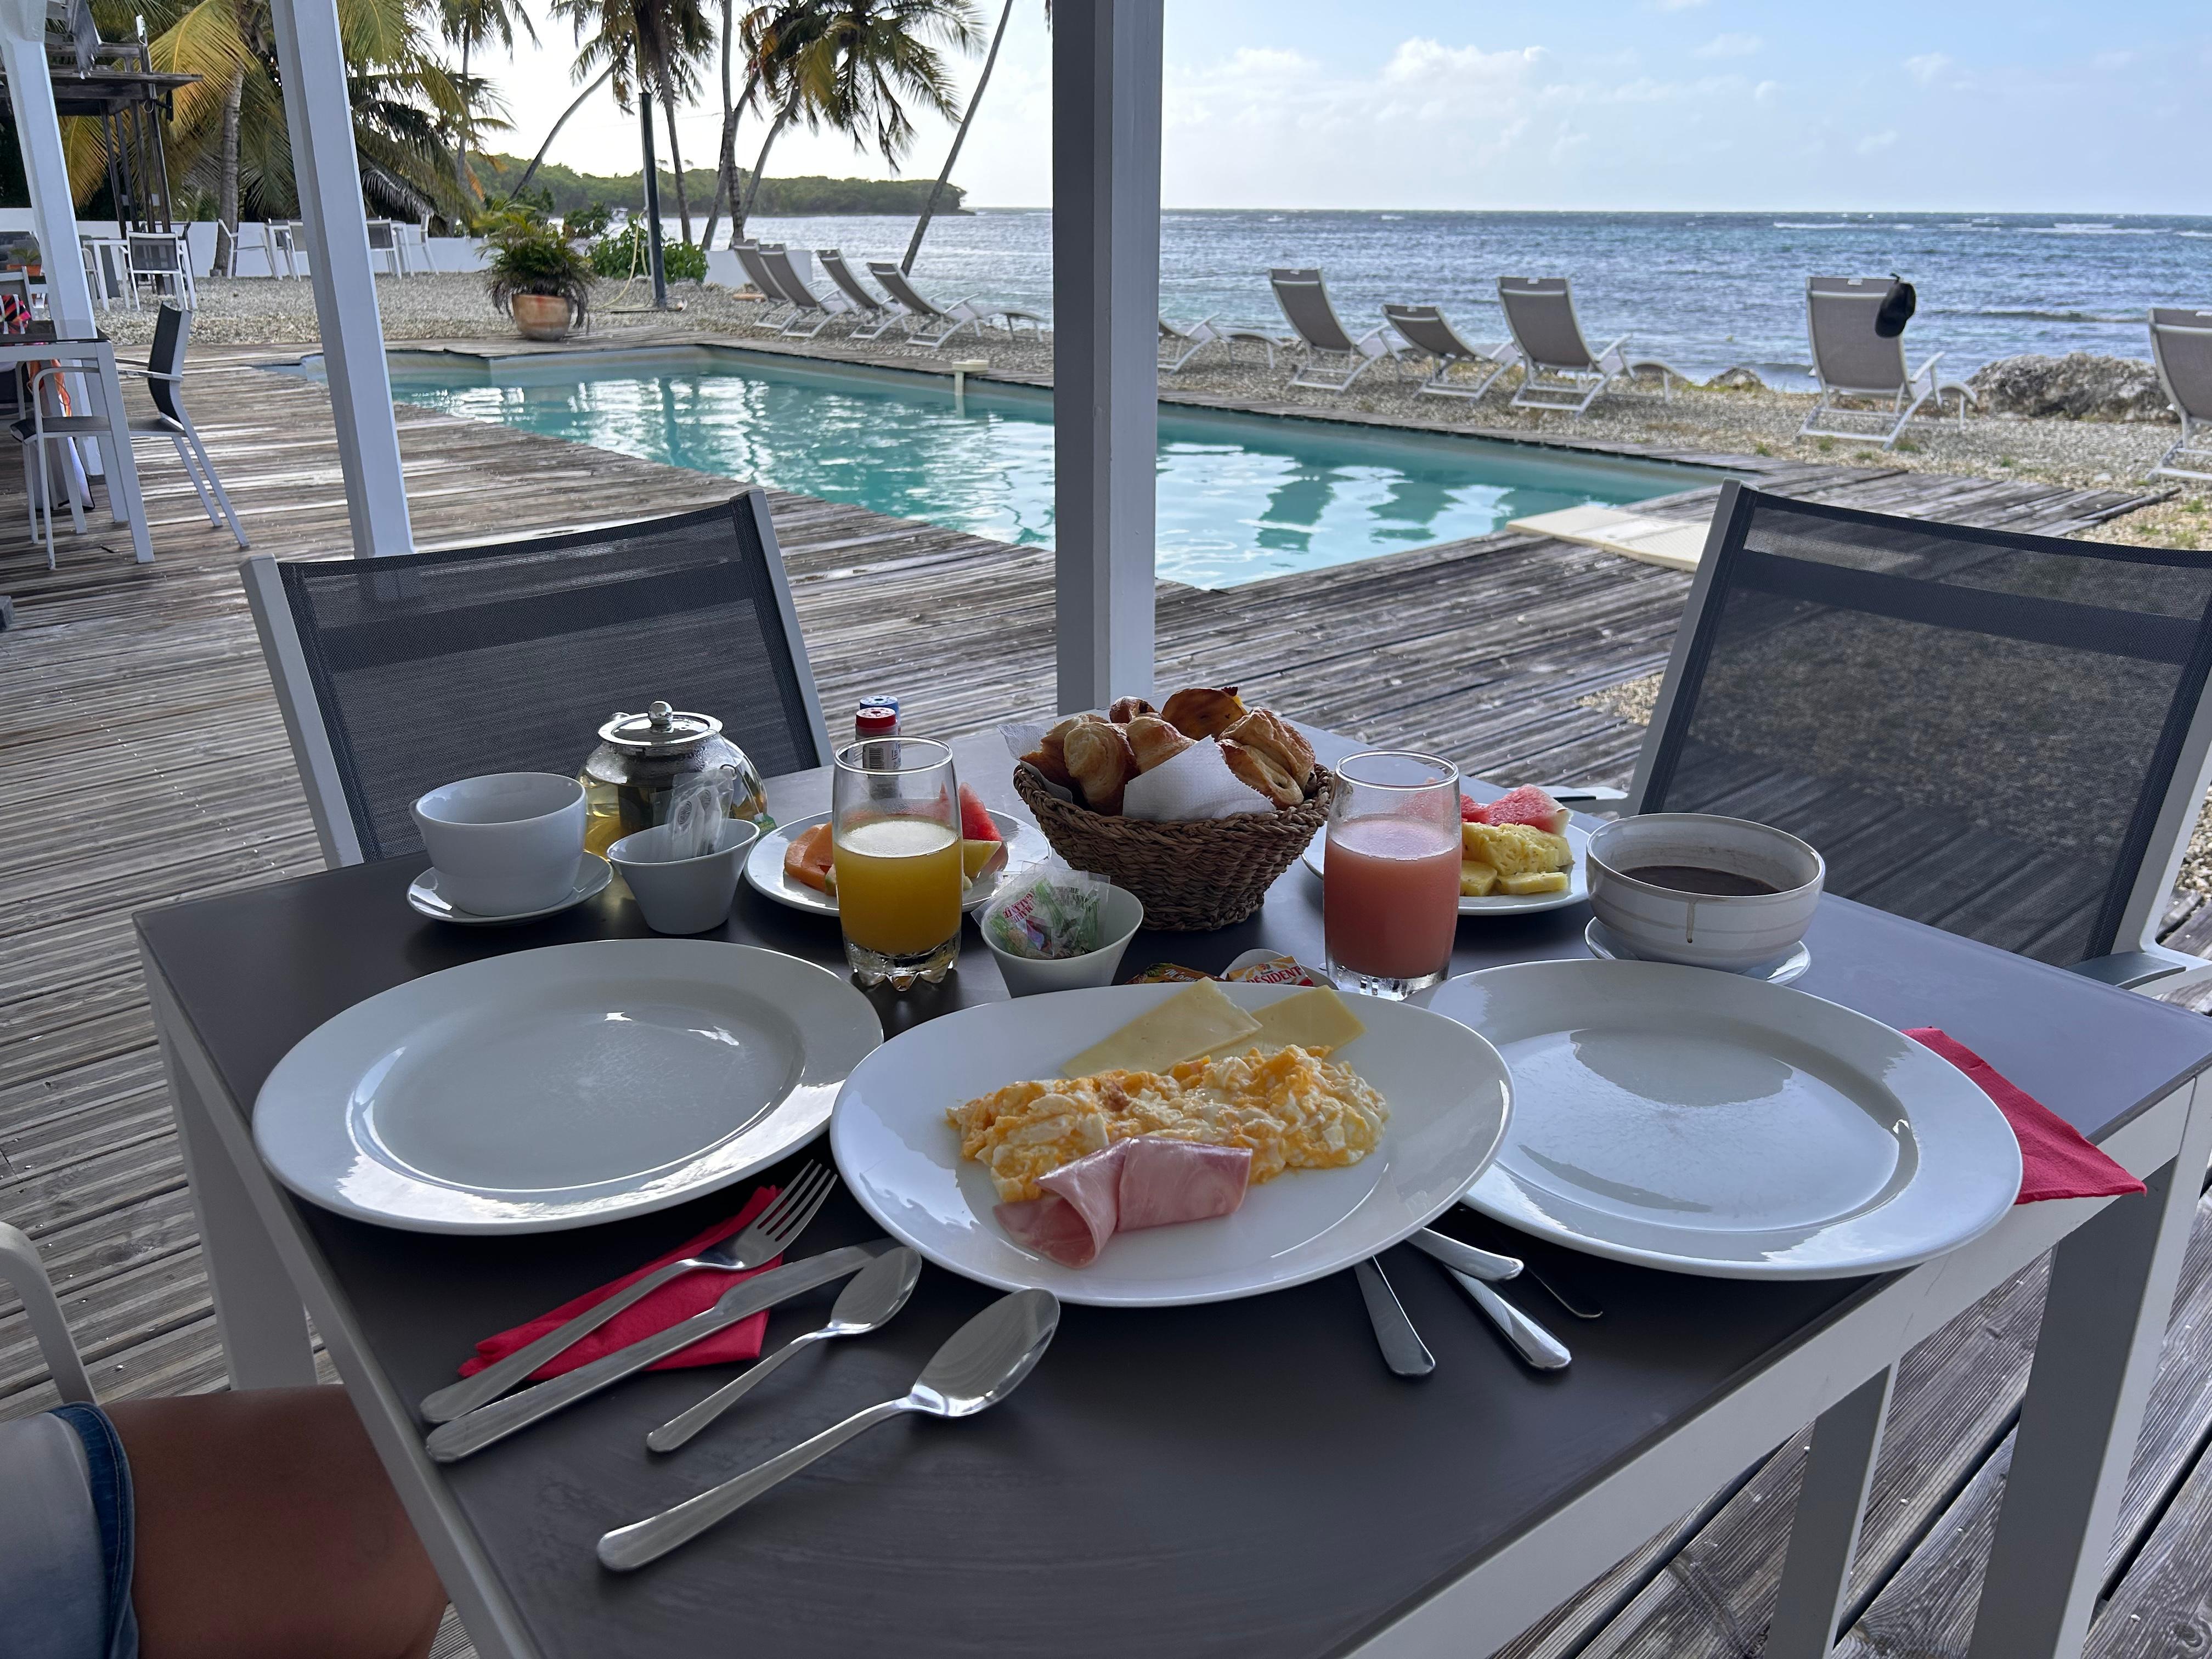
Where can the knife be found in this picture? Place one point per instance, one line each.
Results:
(473, 1431)
(1465, 1258)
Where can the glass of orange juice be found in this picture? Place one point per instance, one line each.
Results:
(896, 845)
(1390, 876)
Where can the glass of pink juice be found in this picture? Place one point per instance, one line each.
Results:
(1390, 877)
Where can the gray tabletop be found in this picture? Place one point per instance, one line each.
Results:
(1238, 1478)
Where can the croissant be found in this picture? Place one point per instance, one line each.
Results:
(1152, 740)
(1261, 772)
(1265, 751)
(1126, 710)
(1200, 711)
(1098, 755)
(1050, 755)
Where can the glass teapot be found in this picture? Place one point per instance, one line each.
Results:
(628, 777)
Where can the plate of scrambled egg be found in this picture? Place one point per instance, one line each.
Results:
(1353, 1145)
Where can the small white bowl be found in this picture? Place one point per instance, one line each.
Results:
(683, 895)
(1120, 915)
(1729, 932)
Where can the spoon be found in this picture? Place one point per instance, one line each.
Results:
(877, 1292)
(979, 1365)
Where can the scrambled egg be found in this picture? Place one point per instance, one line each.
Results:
(1293, 1109)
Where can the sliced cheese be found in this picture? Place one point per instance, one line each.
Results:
(1183, 1027)
(1314, 1020)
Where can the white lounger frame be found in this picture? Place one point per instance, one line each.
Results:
(1893, 405)
(2190, 455)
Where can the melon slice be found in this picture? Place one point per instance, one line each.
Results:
(975, 819)
(807, 861)
(1530, 805)
(1472, 811)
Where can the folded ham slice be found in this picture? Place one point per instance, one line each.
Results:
(1146, 1182)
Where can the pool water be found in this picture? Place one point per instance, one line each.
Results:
(1241, 497)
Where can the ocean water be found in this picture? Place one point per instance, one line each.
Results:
(1702, 291)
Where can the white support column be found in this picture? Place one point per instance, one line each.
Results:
(1106, 307)
(328, 174)
(39, 135)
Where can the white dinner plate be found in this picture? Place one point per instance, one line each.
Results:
(1500, 904)
(562, 1087)
(1025, 844)
(1708, 1123)
(1447, 1092)
(592, 875)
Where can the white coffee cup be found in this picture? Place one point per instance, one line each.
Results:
(683, 895)
(506, 843)
(1732, 932)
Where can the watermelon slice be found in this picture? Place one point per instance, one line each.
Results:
(1472, 811)
(1530, 805)
(974, 821)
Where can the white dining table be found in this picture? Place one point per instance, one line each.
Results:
(39, 343)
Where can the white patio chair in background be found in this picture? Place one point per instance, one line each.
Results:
(779, 306)
(1322, 336)
(161, 261)
(876, 317)
(1424, 330)
(385, 247)
(22, 1272)
(1559, 370)
(107, 268)
(1856, 366)
(1179, 345)
(934, 325)
(811, 312)
(164, 374)
(49, 422)
(2181, 346)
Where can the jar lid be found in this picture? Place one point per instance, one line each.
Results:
(659, 731)
(874, 720)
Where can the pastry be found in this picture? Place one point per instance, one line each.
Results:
(1268, 732)
(1050, 755)
(1199, 711)
(1099, 760)
(1126, 710)
(1262, 771)
(1152, 740)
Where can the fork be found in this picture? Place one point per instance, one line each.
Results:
(761, 1243)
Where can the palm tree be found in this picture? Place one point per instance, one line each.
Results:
(856, 63)
(967, 117)
(469, 24)
(654, 45)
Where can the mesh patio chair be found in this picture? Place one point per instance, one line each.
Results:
(934, 325)
(2001, 735)
(1859, 366)
(1425, 329)
(107, 268)
(164, 374)
(874, 316)
(812, 312)
(395, 675)
(780, 305)
(161, 261)
(1558, 368)
(385, 247)
(1333, 359)
(2181, 346)
(1179, 345)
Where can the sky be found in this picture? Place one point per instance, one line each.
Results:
(2035, 105)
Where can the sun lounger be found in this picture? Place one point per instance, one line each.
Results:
(812, 312)
(1424, 330)
(1855, 364)
(932, 326)
(779, 305)
(877, 317)
(1558, 368)
(1179, 345)
(2181, 346)
(1333, 359)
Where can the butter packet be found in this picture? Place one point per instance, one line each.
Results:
(1265, 968)
(1168, 972)
(1047, 913)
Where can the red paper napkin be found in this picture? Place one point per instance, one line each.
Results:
(673, 1303)
(2055, 1162)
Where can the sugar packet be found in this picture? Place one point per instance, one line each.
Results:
(1047, 911)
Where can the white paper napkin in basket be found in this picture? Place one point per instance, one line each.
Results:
(1196, 784)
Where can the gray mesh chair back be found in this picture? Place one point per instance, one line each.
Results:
(1540, 312)
(895, 284)
(2181, 344)
(758, 272)
(1848, 356)
(842, 274)
(1998, 734)
(432, 666)
(1305, 302)
(173, 327)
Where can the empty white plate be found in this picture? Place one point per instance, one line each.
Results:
(1711, 1124)
(562, 1087)
(1446, 1090)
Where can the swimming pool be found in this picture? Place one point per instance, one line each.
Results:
(1241, 497)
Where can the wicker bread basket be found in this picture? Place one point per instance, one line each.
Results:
(1192, 876)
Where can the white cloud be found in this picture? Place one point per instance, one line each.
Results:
(1729, 45)
(1679, 5)
(1875, 142)
(1925, 68)
(1767, 91)
(2109, 61)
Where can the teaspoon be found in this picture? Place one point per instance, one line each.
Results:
(877, 1292)
(979, 1365)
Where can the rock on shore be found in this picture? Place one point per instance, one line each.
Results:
(2079, 386)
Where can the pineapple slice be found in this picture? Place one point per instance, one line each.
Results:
(1514, 849)
(1533, 881)
(1475, 880)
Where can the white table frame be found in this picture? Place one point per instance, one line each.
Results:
(126, 504)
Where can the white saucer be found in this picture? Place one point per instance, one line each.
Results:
(591, 878)
(1780, 971)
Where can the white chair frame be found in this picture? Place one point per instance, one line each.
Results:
(22, 1271)
(2189, 456)
(169, 280)
(67, 430)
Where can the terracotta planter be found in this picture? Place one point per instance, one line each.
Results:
(541, 316)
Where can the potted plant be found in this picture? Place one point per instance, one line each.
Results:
(537, 277)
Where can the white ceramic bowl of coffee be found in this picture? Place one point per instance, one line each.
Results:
(505, 844)
(1705, 892)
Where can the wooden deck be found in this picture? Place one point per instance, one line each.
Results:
(142, 762)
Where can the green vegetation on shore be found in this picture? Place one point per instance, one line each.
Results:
(557, 189)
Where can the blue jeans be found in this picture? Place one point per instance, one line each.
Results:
(65, 1539)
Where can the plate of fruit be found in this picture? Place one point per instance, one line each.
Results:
(1516, 854)
(792, 863)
